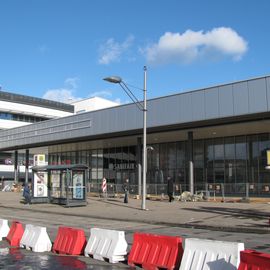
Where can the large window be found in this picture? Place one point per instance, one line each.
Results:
(198, 156)
(233, 161)
(229, 159)
(219, 160)
(181, 164)
(21, 117)
(209, 161)
(264, 175)
(240, 162)
(94, 165)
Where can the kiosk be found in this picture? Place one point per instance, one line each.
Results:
(60, 184)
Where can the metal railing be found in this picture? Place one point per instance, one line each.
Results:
(211, 189)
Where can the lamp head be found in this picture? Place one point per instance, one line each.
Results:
(113, 79)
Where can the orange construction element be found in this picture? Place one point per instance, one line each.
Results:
(15, 234)
(69, 241)
(253, 260)
(156, 251)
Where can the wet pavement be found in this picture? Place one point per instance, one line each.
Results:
(12, 258)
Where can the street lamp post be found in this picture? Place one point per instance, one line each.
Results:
(143, 108)
(144, 141)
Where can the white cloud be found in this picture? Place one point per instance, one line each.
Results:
(72, 82)
(67, 94)
(112, 50)
(106, 95)
(61, 95)
(64, 94)
(191, 46)
(101, 94)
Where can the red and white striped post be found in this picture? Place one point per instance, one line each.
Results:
(104, 187)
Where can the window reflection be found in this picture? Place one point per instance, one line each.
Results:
(232, 161)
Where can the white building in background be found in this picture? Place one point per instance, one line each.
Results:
(20, 110)
(92, 104)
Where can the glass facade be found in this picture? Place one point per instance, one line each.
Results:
(21, 117)
(233, 163)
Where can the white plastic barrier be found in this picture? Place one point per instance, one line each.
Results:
(36, 238)
(106, 244)
(210, 255)
(4, 228)
(27, 235)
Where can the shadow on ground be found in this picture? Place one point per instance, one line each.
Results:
(234, 212)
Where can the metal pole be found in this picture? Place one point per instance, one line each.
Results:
(144, 141)
(139, 166)
(26, 166)
(191, 177)
(191, 166)
(139, 179)
(16, 166)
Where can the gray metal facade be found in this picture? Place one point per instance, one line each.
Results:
(230, 100)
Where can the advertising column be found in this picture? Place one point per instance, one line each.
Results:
(40, 178)
(78, 185)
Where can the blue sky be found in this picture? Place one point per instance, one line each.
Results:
(61, 49)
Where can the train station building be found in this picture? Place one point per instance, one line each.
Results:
(223, 131)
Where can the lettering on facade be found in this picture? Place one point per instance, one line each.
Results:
(122, 166)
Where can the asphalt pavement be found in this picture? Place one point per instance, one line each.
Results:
(221, 216)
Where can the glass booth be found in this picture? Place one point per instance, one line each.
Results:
(60, 184)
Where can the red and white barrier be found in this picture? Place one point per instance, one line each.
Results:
(209, 254)
(155, 251)
(15, 234)
(107, 244)
(149, 251)
(253, 260)
(70, 241)
(4, 228)
(35, 238)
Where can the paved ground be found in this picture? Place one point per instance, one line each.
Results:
(236, 217)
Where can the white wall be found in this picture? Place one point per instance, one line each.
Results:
(6, 124)
(92, 104)
(11, 107)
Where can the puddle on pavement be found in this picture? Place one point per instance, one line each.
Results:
(15, 258)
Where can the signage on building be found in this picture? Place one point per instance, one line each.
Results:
(267, 159)
(39, 160)
(122, 166)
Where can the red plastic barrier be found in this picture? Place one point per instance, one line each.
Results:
(69, 241)
(253, 260)
(15, 234)
(156, 251)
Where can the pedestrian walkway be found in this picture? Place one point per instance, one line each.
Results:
(231, 217)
